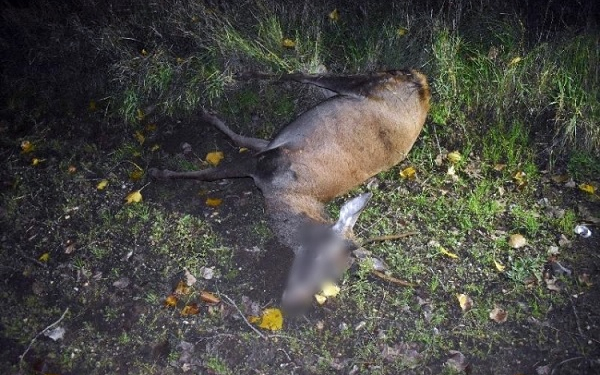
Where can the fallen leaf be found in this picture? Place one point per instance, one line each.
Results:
(151, 127)
(334, 15)
(560, 178)
(171, 300)
(520, 179)
(213, 202)
(408, 173)
(321, 299)
(499, 266)
(288, 43)
(465, 302)
(271, 319)
(140, 137)
(122, 283)
(401, 31)
(72, 169)
(514, 61)
(182, 289)
(155, 148)
(499, 167)
(330, 289)
(454, 157)
(190, 309)
(451, 171)
(136, 175)
(243, 149)
(552, 284)
(498, 315)
(133, 197)
(189, 278)
(44, 257)
(447, 253)
(214, 158)
(517, 241)
(27, 147)
(209, 297)
(207, 273)
(55, 334)
(102, 184)
(36, 161)
(590, 189)
(139, 113)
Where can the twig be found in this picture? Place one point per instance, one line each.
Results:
(392, 279)
(41, 333)
(243, 317)
(576, 317)
(389, 237)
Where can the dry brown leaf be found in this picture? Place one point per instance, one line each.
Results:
(171, 300)
(560, 178)
(498, 314)
(27, 147)
(209, 297)
(182, 289)
(190, 309)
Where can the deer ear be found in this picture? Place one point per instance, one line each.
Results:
(350, 212)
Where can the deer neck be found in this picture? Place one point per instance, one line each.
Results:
(292, 215)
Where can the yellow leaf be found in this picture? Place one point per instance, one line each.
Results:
(213, 202)
(447, 253)
(171, 300)
(214, 158)
(134, 197)
(243, 149)
(44, 257)
(151, 128)
(401, 31)
(36, 161)
(191, 309)
(409, 173)
(179, 60)
(590, 189)
(140, 137)
(499, 266)
(330, 289)
(140, 114)
(517, 241)
(271, 319)
(144, 52)
(514, 61)
(454, 157)
(102, 184)
(288, 43)
(320, 299)
(465, 302)
(155, 148)
(27, 147)
(136, 175)
(334, 15)
(182, 289)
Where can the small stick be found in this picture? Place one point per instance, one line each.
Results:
(390, 237)
(243, 317)
(392, 279)
(41, 333)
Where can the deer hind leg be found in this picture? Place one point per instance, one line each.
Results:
(256, 144)
(239, 169)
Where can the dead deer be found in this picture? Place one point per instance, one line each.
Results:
(368, 127)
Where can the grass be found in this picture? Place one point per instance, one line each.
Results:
(506, 106)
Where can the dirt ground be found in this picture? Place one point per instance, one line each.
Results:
(78, 259)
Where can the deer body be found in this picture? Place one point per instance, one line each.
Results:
(369, 127)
